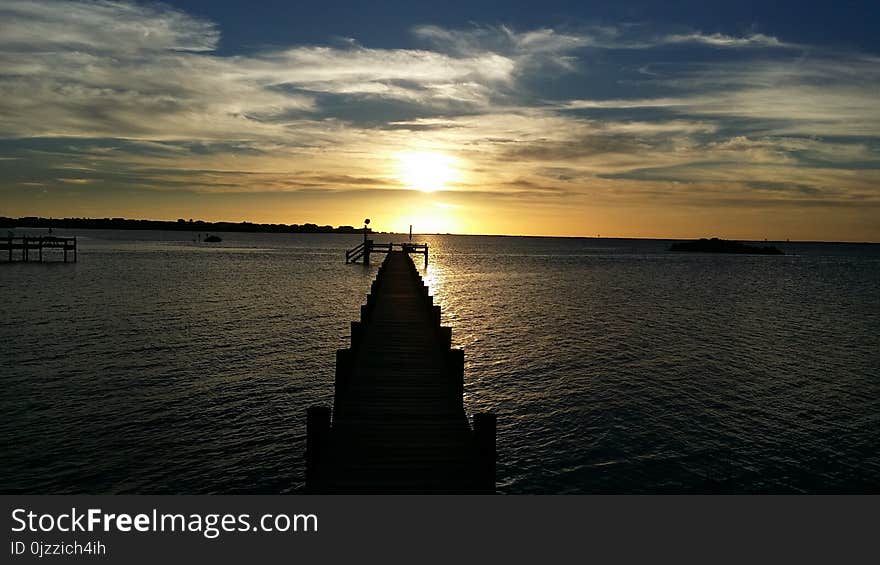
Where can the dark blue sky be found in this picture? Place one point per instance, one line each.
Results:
(285, 22)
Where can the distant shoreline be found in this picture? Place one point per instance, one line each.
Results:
(179, 225)
(250, 227)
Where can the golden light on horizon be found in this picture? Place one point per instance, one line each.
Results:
(427, 171)
(427, 218)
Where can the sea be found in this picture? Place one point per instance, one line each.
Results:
(161, 364)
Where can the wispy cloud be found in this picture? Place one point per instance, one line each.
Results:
(722, 40)
(102, 25)
(818, 95)
(543, 46)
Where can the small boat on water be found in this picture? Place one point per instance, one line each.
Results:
(212, 238)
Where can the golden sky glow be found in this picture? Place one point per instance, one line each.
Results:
(130, 109)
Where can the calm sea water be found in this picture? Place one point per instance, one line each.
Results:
(160, 365)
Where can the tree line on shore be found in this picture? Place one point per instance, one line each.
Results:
(180, 225)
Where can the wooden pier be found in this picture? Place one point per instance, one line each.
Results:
(35, 244)
(398, 423)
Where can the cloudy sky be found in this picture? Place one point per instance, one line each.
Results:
(644, 119)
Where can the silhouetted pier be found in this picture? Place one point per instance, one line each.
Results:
(27, 245)
(398, 422)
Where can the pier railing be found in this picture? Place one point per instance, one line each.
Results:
(363, 251)
(27, 244)
(355, 254)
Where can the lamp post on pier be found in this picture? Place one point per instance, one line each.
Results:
(367, 243)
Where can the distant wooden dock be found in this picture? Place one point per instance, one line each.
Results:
(398, 423)
(27, 245)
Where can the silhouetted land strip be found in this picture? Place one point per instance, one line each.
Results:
(179, 225)
(716, 245)
(398, 420)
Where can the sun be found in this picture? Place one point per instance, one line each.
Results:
(425, 170)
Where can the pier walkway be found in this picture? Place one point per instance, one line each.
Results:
(398, 423)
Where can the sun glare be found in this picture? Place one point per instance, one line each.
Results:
(426, 171)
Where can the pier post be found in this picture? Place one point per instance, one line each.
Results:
(445, 335)
(343, 371)
(484, 434)
(24, 249)
(455, 360)
(368, 243)
(74, 249)
(357, 330)
(317, 431)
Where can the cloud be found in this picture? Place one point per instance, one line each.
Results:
(388, 73)
(622, 104)
(126, 70)
(722, 40)
(830, 95)
(75, 180)
(123, 70)
(555, 44)
(503, 39)
(101, 25)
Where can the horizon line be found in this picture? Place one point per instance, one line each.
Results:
(598, 236)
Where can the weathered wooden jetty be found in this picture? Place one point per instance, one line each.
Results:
(36, 244)
(398, 423)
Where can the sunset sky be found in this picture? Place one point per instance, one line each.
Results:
(641, 119)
